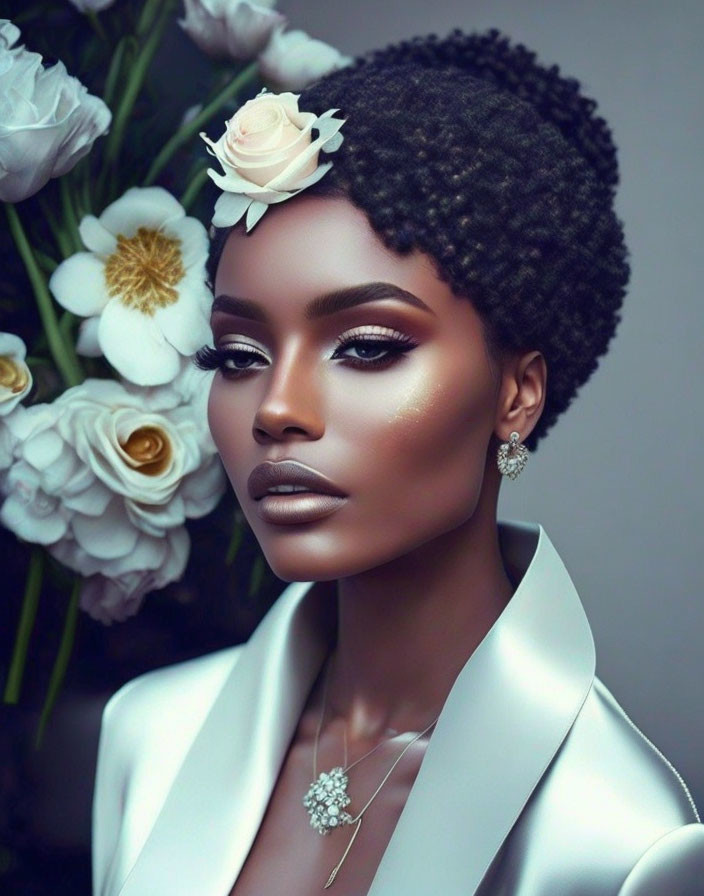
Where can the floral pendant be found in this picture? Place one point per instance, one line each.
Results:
(326, 801)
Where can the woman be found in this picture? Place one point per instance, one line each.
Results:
(418, 713)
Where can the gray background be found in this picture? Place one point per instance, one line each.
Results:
(618, 483)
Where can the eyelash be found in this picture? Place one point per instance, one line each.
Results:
(209, 358)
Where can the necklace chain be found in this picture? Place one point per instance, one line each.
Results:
(327, 797)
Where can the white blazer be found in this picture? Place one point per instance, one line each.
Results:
(534, 783)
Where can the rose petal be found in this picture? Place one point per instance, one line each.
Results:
(12, 345)
(108, 535)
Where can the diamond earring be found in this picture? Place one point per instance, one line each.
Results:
(511, 456)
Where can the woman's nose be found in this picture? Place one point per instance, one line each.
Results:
(291, 405)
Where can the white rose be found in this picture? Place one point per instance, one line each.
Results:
(141, 285)
(105, 475)
(292, 60)
(15, 376)
(268, 154)
(48, 120)
(145, 452)
(113, 597)
(228, 28)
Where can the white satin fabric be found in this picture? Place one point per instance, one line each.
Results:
(534, 782)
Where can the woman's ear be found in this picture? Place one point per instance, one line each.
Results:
(522, 395)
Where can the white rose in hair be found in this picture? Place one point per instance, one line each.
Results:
(292, 60)
(48, 120)
(228, 28)
(268, 154)
(15, 376)
(141, 286)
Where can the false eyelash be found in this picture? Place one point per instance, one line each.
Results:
(395, 347)
(207, 358)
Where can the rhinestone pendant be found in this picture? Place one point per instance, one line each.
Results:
(326, 801)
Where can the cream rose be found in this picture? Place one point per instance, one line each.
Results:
(268, 154)
(15, 376)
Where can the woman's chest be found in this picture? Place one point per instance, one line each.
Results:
(288, 856)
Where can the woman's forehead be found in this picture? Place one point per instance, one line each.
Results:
(311, 245)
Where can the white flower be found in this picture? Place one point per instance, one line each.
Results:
(230, 28)
(48, 120)
(292, 60)
(15, 376)
(92, 5)
(268, 154)
(141, 285)
(106, 475)
(113, 598)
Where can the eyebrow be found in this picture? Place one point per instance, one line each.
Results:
(324, 305)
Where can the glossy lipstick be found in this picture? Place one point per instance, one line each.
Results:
(289, 510)
(315, 496)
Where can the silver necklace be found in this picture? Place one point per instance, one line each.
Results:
(327, 798)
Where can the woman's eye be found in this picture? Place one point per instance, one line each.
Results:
(230, 361)
(364, 352)
(370, 352)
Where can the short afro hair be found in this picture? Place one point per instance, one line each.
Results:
(497, 168)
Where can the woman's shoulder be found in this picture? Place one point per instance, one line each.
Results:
(147, 728)
(610, 811)
(617, 747)
(167, 702)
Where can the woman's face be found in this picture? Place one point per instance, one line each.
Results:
(392, 399)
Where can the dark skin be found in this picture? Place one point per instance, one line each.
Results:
(411, 560)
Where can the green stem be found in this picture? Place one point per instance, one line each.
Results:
(114, 69)
(256, 576)
(235, 539)
(189, 130)
(25, 625)
(190, 194)
(70, 215)
(61, 663)
(135, 80)
(146, 18)
(66, 325)
(62, 241)
(45, 262)
(62, 352)
(96, 24)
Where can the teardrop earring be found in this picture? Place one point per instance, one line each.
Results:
(511, 457)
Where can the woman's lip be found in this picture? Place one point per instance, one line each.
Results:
(297, 507)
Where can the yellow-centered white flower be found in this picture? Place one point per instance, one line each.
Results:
(141, 285)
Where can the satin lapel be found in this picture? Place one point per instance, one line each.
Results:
(505, 718)
(210, 818)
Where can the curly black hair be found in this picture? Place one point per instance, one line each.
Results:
(496, 167)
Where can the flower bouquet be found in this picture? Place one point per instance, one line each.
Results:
(105, 453)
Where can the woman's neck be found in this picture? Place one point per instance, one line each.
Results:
(406, 629)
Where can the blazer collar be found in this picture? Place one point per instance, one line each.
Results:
(506, 716)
